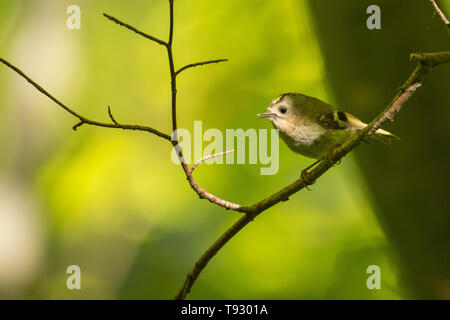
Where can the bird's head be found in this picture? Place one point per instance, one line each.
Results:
(282, 111)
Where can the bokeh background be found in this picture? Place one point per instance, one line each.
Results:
(114, 204)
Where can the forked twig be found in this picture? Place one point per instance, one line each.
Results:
(83, 119)
(426, 61)
(211, 156)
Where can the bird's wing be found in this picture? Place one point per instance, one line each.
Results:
(345, 120)
(340, 120)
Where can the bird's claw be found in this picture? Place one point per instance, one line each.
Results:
(331, 155)
(306, 180)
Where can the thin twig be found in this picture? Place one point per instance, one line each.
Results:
(410, 86)
(79, 124)
(145, 35)
(83, 120)
(426, 62)
(111, 116)
(198, 64)
(440, 13)
(211, 156)
(171, 20)
(173, 77)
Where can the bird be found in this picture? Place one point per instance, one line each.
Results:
(312, 127)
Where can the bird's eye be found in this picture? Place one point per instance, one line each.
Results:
(283, 110)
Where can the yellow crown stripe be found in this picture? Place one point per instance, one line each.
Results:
(276, 100)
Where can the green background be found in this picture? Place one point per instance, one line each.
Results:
(113, 203)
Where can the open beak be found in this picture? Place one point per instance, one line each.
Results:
(266, 114)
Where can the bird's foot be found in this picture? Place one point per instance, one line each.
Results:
(331, 156)
(304, 175)
(305, 179)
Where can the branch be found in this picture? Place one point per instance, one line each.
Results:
(426, 61)
(211, 156)
(202, 193)
(145, 35)
(111, 116)
(173, 77)
(440, 13)
(395, 108)
(79, 124)
(430, 59)
(84, 120)
(197, 64)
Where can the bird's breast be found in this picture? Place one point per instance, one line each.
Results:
(305, 141)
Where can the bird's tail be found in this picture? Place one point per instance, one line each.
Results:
(381, 135)
(384, 136)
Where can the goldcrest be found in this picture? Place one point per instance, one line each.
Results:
(312, 127)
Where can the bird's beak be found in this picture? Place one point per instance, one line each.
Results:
(266, 114)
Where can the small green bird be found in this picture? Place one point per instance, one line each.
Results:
(312, 127)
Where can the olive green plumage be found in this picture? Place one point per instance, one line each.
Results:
(312, 127)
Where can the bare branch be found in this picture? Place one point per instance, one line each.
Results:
(173, 85)
(430, 59)
(211, 156)
(256, 209)
(202, 193)
(440, 13)
(79, 124)
(197, 64)
(396, 107)
(111, 116)
(171, 23)
(145, 35)
(426, 62)
(83, 120)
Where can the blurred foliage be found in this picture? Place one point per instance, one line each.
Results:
(410, 183)
(113, 203)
